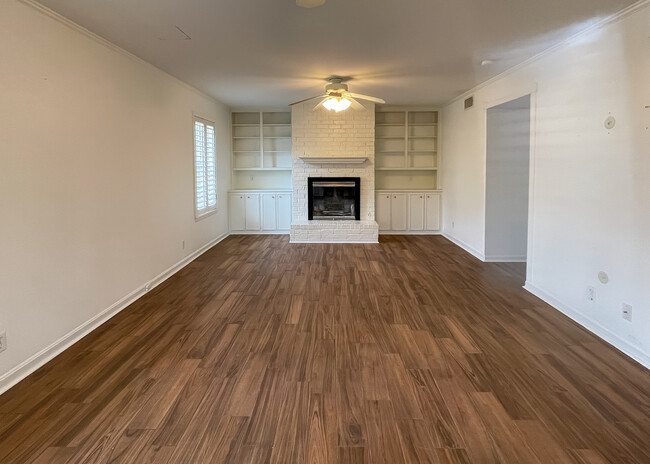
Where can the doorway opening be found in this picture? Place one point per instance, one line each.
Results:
(507, 181)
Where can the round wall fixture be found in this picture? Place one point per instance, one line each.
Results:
(603, 277)
(610, 122)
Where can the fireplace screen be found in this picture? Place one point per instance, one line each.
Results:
(334, 197)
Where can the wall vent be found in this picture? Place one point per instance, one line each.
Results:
(469, 102)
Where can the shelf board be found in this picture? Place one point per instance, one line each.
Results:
(389, 153)
(425, 190)
(277, 151)
(256, 137)
(247, 151)
(422, 152)
(391, 125)
(277, 137)
(406, 169)
(274, 125)
(391, 138)
(424, 137)
(261, 169)
(245, 125)
(426, 124)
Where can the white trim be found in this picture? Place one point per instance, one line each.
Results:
(410, 232)
(505, 259)
(564, 43)
(464, 246)
(260, 232)
(340, 242)
(30, 365)
(388, 108)
(531, 91)
(260, 191)
(208, 210)
(592, 326)
(334, 159)
(100, 40)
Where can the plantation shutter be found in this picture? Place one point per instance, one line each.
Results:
(205, 167)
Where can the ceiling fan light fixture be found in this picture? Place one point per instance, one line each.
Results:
(337, 104)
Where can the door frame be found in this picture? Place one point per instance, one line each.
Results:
(513, 95)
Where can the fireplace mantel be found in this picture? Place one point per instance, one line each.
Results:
(333, 159)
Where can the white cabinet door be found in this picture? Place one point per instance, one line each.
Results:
(432, 203)
(382, 210)
(284, 211)
(269, 214)
(398, 211)
(237, 211)
(252, 211)
(416, 211)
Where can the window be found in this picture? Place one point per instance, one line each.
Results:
(205, 168)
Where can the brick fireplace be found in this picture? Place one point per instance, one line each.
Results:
(333, 145)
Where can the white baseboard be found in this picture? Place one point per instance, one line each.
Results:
(259, 232)
(22, 370)
(505, 259)
(340, 242)
(594, 327)
(464, 246)
(408, 232)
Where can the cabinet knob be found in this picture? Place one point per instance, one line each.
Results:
(280, 196)
(272, 196)
(428, 196)
(248, 197)
(420, 196)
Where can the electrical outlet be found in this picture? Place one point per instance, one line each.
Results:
(626, 312)
(182, 244)
(147, 287)
(3, 341)
(591, 293)
(452, 224)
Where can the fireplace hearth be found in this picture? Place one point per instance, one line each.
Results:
(334, 198)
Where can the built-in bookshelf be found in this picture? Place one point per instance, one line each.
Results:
(261, 149)
(406, 149)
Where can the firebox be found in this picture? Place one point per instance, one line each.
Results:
(334, 198)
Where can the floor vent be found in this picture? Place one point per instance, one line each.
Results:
(469, 102)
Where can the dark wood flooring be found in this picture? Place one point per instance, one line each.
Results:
(410, 351)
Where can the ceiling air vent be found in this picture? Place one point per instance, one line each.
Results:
(469, 102)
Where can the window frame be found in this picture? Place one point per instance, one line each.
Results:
(208, 210)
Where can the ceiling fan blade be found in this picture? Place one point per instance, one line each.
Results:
(307, 99)
(366, 97)
(320, 103)
(355, 104)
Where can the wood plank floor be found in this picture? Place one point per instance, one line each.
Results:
(410, 351)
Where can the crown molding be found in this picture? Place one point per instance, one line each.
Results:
(102, 41)
(559, 46)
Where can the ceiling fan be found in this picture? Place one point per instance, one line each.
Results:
(338, 98)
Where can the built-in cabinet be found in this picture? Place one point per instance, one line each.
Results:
(408, 212)
(260, 199)
(406, 148)
(261, 149)
(260, 211)
(407, 163)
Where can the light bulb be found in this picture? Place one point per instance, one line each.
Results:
(337, 104)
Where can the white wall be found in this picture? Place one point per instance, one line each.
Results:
(96, 178)
(507, 173)
(590, 187)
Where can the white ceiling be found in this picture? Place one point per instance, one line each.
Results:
(271, 52)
